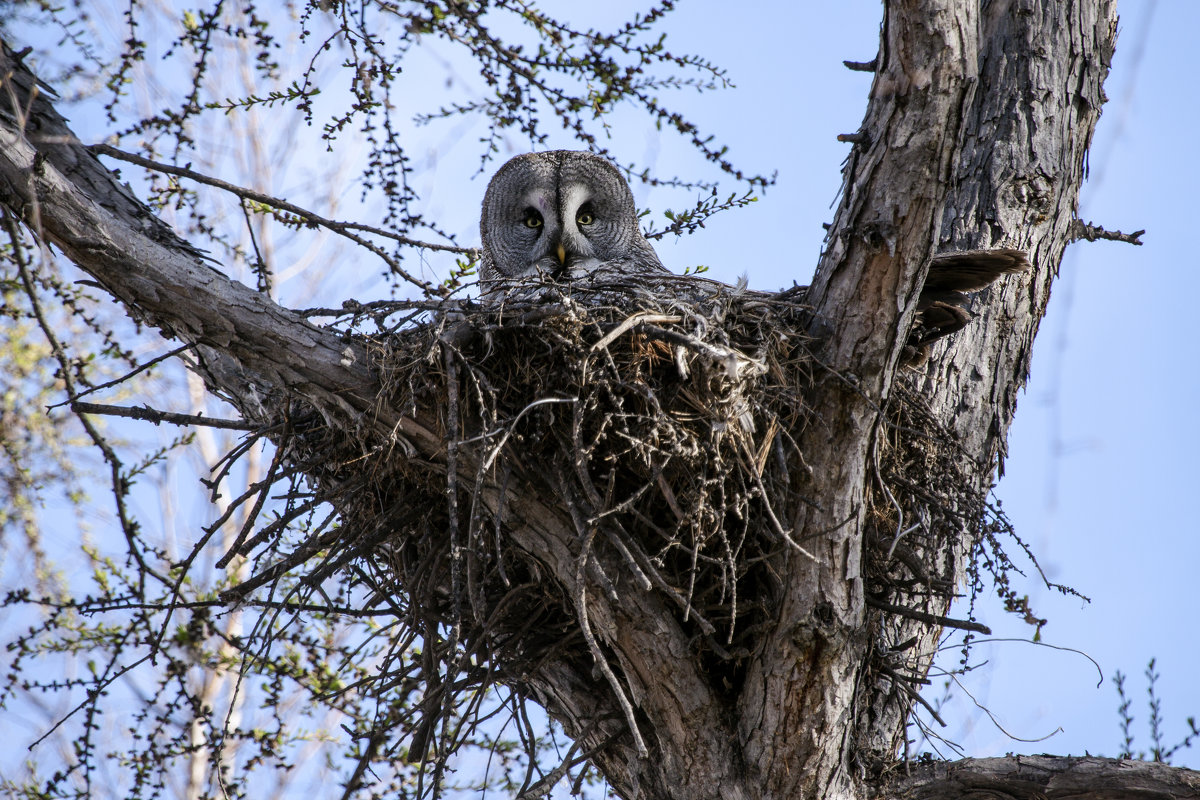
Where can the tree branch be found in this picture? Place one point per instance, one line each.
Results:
(929, 168)
(343, 228)
(156, 416)
(1090, 232)
(1043, 778)
(263, 358)
(865, 296)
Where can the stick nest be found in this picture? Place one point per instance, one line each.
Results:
(661, 426)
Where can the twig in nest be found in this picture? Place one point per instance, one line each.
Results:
(261, 489)
(511, 426)
(546, 783)
(901, 531)
(775, 523)
(305, 551)
(629, 322)
(587, 535)
(647, 569)
(909, 558)
(902, 682)
(669, 495)
(593, 497)
(760, 461)
(450, 360)
(735, 363)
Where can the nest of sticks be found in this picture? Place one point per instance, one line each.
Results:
(665, 422)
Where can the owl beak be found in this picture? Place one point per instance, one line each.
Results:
(561, 253)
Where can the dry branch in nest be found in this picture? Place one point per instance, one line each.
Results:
(661, 423)
(664, 424)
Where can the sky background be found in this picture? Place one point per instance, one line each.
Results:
(1101, 477)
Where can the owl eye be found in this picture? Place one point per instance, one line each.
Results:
(585, 216)
(532, 218)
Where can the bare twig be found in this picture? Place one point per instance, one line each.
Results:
(930, 619)
(139, 369)
(66, 370)
(156, 416)
(903, 683)
(863, 66)
(629, 322)
(1091, 233)
(342, 228)
(587, 535)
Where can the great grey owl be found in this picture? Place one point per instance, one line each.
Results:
(568, 216)
(561, 215)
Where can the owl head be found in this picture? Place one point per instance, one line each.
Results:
(560, 215)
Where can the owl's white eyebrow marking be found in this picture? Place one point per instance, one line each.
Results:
(573, 196)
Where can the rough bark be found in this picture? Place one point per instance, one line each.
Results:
(975, 136)
(1043, 778)
(866, 285)
(1014, 182)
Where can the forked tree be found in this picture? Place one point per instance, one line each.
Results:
(715, 534)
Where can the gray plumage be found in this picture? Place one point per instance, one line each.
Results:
(560, 215)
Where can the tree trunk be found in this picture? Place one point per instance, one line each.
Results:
(975, 137)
